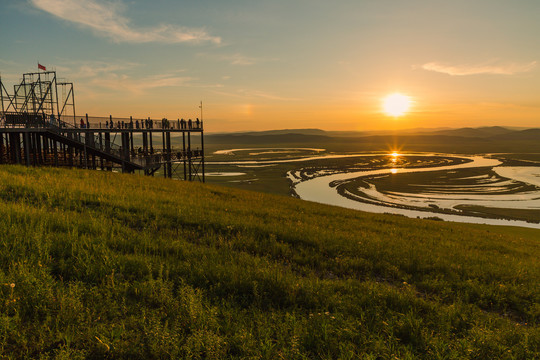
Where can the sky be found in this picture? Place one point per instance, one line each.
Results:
(286, 64)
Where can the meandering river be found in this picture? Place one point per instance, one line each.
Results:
(319, 190)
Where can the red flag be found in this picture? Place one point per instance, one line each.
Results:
(41, 67)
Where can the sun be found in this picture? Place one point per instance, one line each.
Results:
(396, 104)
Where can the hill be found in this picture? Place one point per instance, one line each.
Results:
(467, 140)
(281, 132)
(103, 265)
(480, 132)
(486, 131)
(523, 135)
(255, 138)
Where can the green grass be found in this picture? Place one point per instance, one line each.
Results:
(113, 266)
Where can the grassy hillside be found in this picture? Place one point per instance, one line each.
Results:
(102, 265)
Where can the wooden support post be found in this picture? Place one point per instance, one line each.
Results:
(16, 146)
(145, 142)
(44, 148)
(189, 153)
(151, 145)
(71, 156)
(169, 160)
(184, 156)
(2, 149)
(131, 134)
(108, 146)
(8, 149)
(101, 148)
(27, 148)
(202, 153)
(39, 150)
(55, 151)
(125, 150)
(145, 149)
(164, 148)
(32, 146)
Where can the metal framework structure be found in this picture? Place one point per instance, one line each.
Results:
(39, 126)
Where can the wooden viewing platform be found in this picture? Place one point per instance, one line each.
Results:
(35, 130)
(151, 146)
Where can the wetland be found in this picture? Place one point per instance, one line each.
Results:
(500, 189)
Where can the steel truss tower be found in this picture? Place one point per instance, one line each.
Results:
(39, 126)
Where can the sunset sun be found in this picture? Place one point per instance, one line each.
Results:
(396, 104)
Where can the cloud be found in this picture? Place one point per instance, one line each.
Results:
(95, 68)
(237, 59)
(138, 86)
(105, 19)
(253, 94)
(486, 68)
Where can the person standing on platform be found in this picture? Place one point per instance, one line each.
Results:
(82, 123)
(189, 124)
(197, 123)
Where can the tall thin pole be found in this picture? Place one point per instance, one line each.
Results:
(202, 142)
(2, 94)
(201, 114)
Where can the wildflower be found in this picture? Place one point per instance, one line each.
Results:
(12, 285)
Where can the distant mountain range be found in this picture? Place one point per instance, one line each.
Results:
(494, 132)
(278, 132)
(493, 139)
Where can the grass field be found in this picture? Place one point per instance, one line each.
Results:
(100, 265)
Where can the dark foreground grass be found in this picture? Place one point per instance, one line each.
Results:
(108, 266)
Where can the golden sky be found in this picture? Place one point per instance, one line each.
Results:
(260, 65)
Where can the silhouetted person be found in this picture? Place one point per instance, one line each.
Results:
(182, 124)
(189, 124)
(137, 124)
(197, 123)
(82, 123)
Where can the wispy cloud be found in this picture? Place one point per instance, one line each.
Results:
(237, 59)
(122, 82)
(96, 68)
(121, 76)
(486, 68)
(106, 19)
(253, 94)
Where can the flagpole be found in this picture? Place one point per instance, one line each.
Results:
(201, 114)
